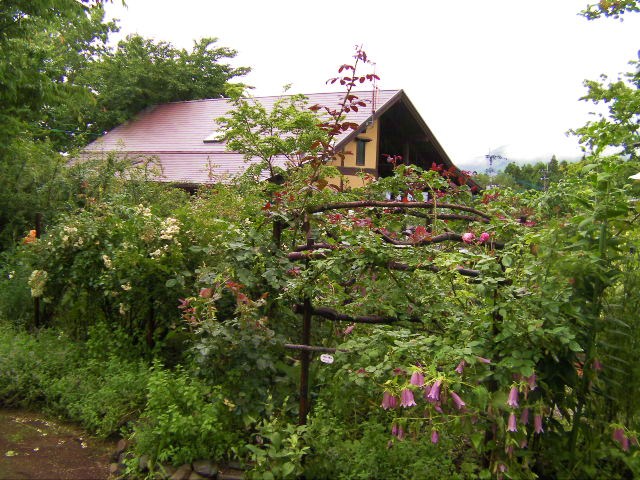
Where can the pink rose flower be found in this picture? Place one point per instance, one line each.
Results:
(468, 237)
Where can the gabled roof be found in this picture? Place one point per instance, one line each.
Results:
(176, 134)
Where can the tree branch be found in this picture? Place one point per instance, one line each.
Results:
(311, 348)
(393, 204)
(445, 216)
(300, 254)
(331, 314)
(443, 237)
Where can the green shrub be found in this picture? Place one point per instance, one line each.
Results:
(16, 303)
(103, 396)
(113, 263)
(278, 450)
(346, 451)
(92, 386)
(239, 352)
(184, 420)
(28, 365)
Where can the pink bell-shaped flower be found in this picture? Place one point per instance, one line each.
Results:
(406, 398)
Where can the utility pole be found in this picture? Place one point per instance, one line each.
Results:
(491, 158)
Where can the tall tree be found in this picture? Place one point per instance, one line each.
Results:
(619, 127)
(618, 130)
(43, 43)
(60, 86)
(140, 73)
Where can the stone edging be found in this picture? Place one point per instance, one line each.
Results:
(198, 470)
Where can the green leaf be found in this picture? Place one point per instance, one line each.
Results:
(485, 474)
(276, 440)
(287, 469)
(585, 222)
(526, 370)
(477, 439)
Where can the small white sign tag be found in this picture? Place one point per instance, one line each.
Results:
(326, 358)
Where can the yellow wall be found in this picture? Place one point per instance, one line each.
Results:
(349, 161)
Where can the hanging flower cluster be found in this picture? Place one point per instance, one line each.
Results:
(523, 385)
(436, 392)
(444, 397)
(37, 282)
(624, 438)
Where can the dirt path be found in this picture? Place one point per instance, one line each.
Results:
(35, 448)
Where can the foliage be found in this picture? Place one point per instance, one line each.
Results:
(25, 374)
(617, 130)
(78, 270)
(285, 135)
(140, 73)
(610, 8)
(15, 295)
(183, 419)
(105, 397)
(278, 452)
(60, 86)
(117, 262)
(44, 43)
(338, 450)
(520, 328)
(99, 386)
(536, 176)
(602, 235)
(245, 352)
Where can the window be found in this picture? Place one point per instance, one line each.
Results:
(215, 137)
(361, 144)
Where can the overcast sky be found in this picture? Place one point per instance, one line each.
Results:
(492, 76)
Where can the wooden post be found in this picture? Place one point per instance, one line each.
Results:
(278, 226)
(406, 153)
(38, 225)
(305, 360)
(305, 355)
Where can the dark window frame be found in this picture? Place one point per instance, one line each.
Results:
(361, 151)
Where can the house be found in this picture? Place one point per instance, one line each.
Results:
(181, 136)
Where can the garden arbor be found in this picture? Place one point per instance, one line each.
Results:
(328, 240)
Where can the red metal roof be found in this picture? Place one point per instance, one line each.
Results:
(174, 134)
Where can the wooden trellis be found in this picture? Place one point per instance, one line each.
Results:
(314, 248)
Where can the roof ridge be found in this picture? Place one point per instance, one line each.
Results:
(277, 96)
